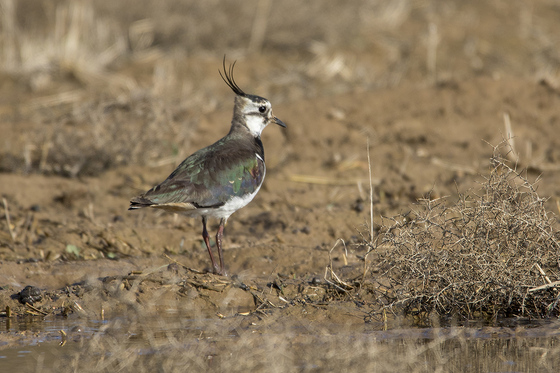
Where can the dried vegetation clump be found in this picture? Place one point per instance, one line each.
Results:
(97, 136)
(492, 253)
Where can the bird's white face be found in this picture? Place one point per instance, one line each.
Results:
(257, 114)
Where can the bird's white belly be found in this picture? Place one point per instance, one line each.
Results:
(224, 212)
(233, 205)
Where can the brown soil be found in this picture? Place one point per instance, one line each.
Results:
(73, 237)
(315, 193)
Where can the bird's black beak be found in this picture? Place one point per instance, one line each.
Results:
(279, 122)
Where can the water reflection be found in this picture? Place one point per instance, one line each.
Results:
(507, 346)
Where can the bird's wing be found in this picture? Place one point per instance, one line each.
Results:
(208, 178)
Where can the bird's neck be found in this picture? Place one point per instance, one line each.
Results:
(240, 132)
(239, 128)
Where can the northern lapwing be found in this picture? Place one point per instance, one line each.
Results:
(220, 179)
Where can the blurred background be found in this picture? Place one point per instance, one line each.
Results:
(89, 85)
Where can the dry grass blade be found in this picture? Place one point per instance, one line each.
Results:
(67, 97)
(370, 194)
(260, 23)
(184, 266)
(330, 276)
(35, 311)
(453, 167)
(543, 273)
(545, 286)
(431, 55)
(8, 221)
(512, 153)
(310, 179)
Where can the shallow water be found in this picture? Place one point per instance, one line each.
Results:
(49, 325)
(95, 345)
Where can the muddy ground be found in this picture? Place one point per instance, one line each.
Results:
(279, 246)
(70, 164)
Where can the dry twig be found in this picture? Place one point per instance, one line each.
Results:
(485, 255)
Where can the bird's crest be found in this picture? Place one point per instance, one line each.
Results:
(228, 79)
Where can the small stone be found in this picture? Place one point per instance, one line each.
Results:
(173, 267)
(358, 205)
(316, 281)
(30, 294)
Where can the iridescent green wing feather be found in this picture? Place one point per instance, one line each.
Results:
(210, 177)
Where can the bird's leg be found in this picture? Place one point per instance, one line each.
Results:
(206, 239)
(219, 236)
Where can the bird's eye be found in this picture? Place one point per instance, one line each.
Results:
(262, 109)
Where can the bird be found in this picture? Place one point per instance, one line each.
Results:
(218, 180)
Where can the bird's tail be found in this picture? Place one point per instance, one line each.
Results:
(139, 202)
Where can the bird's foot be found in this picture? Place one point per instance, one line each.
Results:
(220, 271)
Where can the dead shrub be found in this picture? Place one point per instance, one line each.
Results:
(492, 253)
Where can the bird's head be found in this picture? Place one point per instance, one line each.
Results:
(254, 112)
